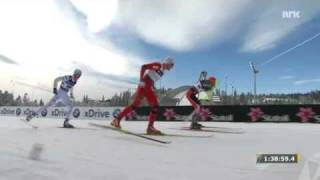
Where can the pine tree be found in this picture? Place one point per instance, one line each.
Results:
(41, 102)
(18, 101)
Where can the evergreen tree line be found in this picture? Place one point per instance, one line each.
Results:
(8, 99)
(166, 98)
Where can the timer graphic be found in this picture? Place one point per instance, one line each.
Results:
(278, 158)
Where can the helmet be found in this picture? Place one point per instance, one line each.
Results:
(77, 73)
(212, 80)
(168, 60)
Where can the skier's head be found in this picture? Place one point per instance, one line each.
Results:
(76, 74)
(212, 81)
(168, 63)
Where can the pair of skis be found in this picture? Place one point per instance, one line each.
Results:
(147, 136)
(213, 129)
(129, 132)
(28, 124)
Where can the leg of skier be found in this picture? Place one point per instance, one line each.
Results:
(52, 102)
(196, 104)
(69, 104)
(136, 103)
(153, 102)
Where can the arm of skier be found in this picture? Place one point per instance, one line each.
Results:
(55, 84)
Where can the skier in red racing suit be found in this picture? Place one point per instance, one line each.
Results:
(149, 74)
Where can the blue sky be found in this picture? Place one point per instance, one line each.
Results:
(296, 71)
(110, 39)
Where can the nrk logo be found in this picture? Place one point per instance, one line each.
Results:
(76, 113)
(291, 14)
(44, 113)
(18, 111)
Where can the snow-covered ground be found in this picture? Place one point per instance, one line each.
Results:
(96, 154)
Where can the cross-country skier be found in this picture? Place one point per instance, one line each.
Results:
(61, 94)
(149, 74)
(204, 84)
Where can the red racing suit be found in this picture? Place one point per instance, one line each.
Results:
(149, 74)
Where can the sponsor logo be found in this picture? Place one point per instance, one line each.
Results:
(28, 111)
(223, 118)
(76, 113)
(317, 118)
(18, 111)
(283, 118)
(255, 114)
(169, 114)
(292, 14)
(58, 113)
(204, 114)
(306, 114)
(116, 112)
(44, 113)
(7, 111)
(131, 116)
(97, 114)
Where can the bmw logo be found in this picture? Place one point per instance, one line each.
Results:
(76, 113)
(44, 113)
(116, 113)
(18, 112)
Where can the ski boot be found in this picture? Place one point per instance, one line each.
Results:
(195, 126)
(66, 124)
(115, 123)
(29, 117)
(153, 131)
